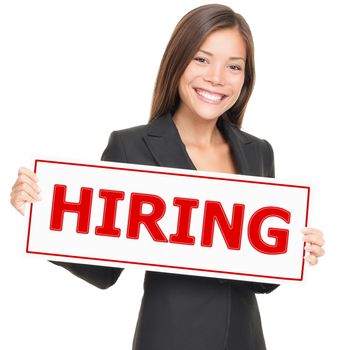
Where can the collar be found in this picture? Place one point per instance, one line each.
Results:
(166, 146)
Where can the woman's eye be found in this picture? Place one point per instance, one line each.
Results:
(234, 67)
(200, 59)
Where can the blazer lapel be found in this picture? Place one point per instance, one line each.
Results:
(166, 146)
(238, 143)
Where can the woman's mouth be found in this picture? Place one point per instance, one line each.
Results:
(209, 97)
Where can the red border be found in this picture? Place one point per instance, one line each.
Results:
(170, 266)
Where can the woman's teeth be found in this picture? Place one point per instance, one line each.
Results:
(209, 96)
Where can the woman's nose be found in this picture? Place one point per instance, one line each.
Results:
(214, 74)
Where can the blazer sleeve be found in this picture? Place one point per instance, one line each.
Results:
(269, 165)
(100, 276)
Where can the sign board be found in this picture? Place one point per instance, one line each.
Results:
(167, 219)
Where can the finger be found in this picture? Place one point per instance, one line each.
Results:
(20, 197)
(311, 230)
(313, 236)
(315, 250)
(26, 188)
(28, 172)
(20, 200)
(314, 239)
(21, 208)
(311, 259)
(23, 178)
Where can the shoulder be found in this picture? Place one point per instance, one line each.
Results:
(248, 139)
(128, 145)
(119, 141)
(258, 142)
(128, 136)
(134, 131)
(258, 151)
(264, 155)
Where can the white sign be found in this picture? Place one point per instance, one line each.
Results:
(171, 220)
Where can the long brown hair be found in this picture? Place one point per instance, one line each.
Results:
(185, 41)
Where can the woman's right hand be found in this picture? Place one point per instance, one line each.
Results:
(25, 189)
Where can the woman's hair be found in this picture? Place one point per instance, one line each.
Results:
(185, 41)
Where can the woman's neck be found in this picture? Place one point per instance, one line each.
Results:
(196, 131)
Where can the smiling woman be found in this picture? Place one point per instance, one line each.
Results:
(205, 80)
(213, 77)
(210, 85)
(221, 53)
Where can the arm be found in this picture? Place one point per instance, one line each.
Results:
(100, 276)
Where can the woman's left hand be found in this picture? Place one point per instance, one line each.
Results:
(314, 242)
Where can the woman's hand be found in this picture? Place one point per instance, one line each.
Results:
(314, 242)
(25, 189)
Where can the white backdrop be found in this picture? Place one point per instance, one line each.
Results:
(73, 71)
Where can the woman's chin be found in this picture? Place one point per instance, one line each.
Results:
(204, 115)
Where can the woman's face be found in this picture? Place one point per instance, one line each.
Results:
(212, 81)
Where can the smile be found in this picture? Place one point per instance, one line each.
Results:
(209, 97)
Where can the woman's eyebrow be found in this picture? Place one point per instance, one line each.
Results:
(231, 58)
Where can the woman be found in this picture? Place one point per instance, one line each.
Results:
(203, 86)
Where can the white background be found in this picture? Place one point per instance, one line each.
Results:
(73, 71)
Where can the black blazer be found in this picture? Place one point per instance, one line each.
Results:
(180, 312)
